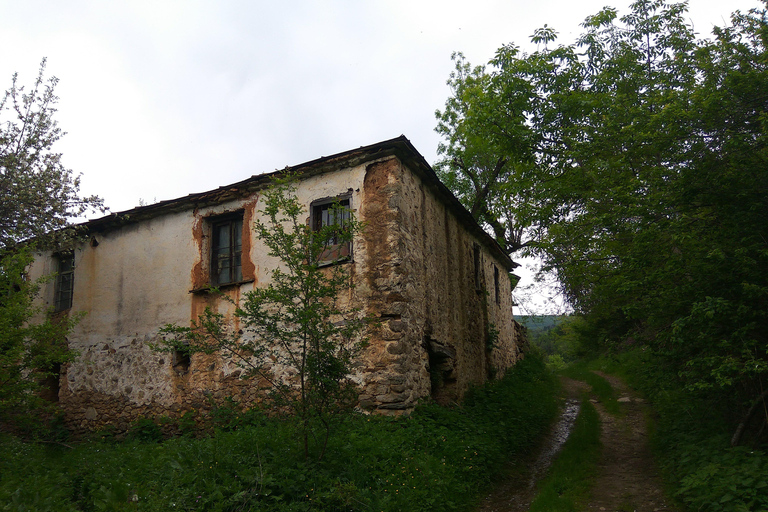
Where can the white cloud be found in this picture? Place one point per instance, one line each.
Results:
(162, 98)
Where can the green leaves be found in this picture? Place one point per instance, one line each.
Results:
(30, 350)
(634, 163)
(298, 337)
(40, 195)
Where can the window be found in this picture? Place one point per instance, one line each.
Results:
(181, 359)
(226, 249)
(65, 281)
(496, 284)
(478, 271)
(332, 212)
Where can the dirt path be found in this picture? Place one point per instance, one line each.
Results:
(627, 479)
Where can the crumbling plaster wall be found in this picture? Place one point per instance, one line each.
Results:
(412, 268)
(140, 276)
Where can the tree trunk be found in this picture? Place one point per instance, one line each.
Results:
(740, 429)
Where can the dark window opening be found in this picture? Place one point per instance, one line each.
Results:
(332, 212)
(65, 281)
(442, 374)
(478, 276)
(226, 250)
(496, 284)
(181, 360)
(49, 385)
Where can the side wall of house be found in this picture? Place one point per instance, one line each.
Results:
(139, 277)
(442, 327)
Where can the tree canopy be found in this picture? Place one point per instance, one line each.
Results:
(39, 194)
(633, 162)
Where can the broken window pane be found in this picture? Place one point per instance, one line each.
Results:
(226, 251)
(332, 212)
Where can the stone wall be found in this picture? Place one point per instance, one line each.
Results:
(442, 327)
(416, 268)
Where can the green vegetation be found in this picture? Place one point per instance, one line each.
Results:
(692, 439)
(39, 197)
(30, 349)
(436, 459)
(633, 162)
(539, 323)
(600, 387)
(572, 474)
(560, 337)
(296, 321)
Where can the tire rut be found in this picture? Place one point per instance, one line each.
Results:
(627, 477)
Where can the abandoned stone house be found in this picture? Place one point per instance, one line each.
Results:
(438, 283)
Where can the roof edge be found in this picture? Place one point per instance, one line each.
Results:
(400, 147)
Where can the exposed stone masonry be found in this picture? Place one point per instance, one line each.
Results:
(431, 283)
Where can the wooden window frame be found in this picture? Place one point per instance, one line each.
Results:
(64, 285)
(319, 208)
(231, 254)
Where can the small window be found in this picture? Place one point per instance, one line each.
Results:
(226, 250)
(496, 285)
(181, 360)
(65, 281)
(332, 212)
(478, 270)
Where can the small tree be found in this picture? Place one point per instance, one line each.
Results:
(30, 351)
(39, 194)
(297, 336)
(39, 197)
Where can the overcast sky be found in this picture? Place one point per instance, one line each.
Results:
(164, 98)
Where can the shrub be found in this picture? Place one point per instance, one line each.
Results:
(436, 459)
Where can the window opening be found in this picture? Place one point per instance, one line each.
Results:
(226, 250)
(181, 359)
(49, 386)
(65, 281)
(332, 212)
(496, 284)
(476, 259)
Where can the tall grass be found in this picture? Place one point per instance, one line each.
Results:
(436, 459)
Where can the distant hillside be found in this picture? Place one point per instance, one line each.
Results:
(539, 323)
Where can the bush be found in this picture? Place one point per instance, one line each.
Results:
(437, 459)
(692, 440)
(145, 430)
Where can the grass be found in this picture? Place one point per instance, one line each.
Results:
(436, 459)
(572, 474)
(601, 388)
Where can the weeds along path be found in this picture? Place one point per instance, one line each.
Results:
(517, 489)
(627, 478)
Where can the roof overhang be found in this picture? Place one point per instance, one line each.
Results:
(399, 147)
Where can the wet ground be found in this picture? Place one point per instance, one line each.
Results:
(627, 478)
(516, 490)
(555, 441)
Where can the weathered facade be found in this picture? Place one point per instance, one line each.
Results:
(436, 281)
